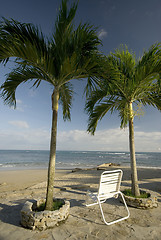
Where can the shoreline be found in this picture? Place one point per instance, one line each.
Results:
(5, 169)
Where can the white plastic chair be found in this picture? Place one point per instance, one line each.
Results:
(109, 187)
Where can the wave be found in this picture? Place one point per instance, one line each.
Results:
(120, 153)
(142, 156)
(148, 167)
(71, 159)
(7, 166)
(115, 153)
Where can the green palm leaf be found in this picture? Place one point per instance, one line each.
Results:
(66, 95)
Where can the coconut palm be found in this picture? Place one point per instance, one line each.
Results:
(68, 54)
(128, 84)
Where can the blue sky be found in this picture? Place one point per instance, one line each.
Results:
(134, 23)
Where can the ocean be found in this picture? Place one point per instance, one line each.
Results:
(37, 159)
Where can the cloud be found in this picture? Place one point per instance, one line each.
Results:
(19, 124)
(148, 141)
(102, 33)
(28, 139)
(103, 140)
(108, 140)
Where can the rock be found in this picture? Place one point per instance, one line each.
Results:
(76, 169)
(106, 165)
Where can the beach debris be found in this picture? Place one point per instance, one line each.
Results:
(103, 166)
(76, 169)
(106, 165)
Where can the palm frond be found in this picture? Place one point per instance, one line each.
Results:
(20, 40)
(63, 24)
(128, 81)
(123, 110)
(65, 98)
(152, 99)
(96, 96)
(99, 111)
(15, 78)
(125, 61)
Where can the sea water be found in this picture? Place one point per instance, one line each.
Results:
(32, 159)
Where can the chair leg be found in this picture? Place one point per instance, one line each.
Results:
(118, 220)
(91, 204)
(125, 205)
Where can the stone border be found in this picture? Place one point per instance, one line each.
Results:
(44, 219)
(142, 203)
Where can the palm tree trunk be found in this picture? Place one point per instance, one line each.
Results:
(51, 168)
(134, 178)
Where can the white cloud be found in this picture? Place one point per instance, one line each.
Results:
(103, 140)
(102, 33)
(28, 139)
(148, 141)
(108, 140)
(19, 124)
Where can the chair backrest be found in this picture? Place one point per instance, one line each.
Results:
(110, 182)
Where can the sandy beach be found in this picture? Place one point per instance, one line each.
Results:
(83, 222)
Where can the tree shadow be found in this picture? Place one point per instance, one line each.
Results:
(151, 186)
(113, 209)
(76, 203)
(83, 188)
(95, 174)
(11, 213)
(71, 191)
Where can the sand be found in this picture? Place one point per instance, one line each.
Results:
(83, 222)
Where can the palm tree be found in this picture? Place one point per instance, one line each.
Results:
(128, 84)
(68, 54)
